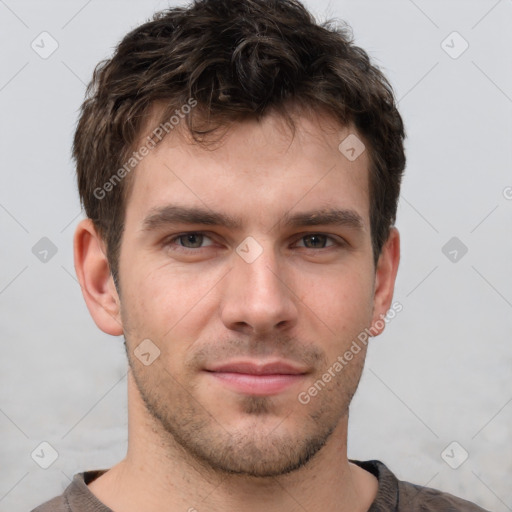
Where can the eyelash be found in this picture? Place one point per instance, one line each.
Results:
(170, 241)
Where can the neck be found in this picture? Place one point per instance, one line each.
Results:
(158, 473)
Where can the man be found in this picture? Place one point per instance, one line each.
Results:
(240, 168)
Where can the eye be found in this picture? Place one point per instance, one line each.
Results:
(318, 241)
(188, 241)
(192, 242)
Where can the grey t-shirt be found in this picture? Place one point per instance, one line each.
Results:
(393, 495)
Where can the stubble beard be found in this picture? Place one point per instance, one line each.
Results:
(265, 448)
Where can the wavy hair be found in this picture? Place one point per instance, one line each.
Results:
(237, 59)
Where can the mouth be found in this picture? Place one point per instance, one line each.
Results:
(258, 378)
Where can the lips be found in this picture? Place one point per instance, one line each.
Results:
(258, 368)
(257, 378)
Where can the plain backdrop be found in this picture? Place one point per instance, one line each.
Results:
(437, 386)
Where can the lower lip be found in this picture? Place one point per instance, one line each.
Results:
(257, 384)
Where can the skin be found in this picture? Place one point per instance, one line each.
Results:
(193, 442)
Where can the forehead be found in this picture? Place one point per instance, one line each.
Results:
(256, 170)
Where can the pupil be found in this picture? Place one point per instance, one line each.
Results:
(318, 239)
(315, 240)
(192, 237)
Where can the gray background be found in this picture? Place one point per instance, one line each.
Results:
(440, 373)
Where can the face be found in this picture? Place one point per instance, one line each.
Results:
(249, 268)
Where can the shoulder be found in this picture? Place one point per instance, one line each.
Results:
(412, 497)
(401, 496)
(77, 496)
(57, 504)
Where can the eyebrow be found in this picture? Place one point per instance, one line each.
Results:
(171, 214)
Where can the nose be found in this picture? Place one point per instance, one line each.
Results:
(257, 298)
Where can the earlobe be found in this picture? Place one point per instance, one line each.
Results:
(93, 272)
(385, 276)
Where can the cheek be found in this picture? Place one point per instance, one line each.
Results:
(168, 302)
(339, 302)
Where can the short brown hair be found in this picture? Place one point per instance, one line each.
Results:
(236, 59)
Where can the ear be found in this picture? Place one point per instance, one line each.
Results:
(385, 275)
(93, 272)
